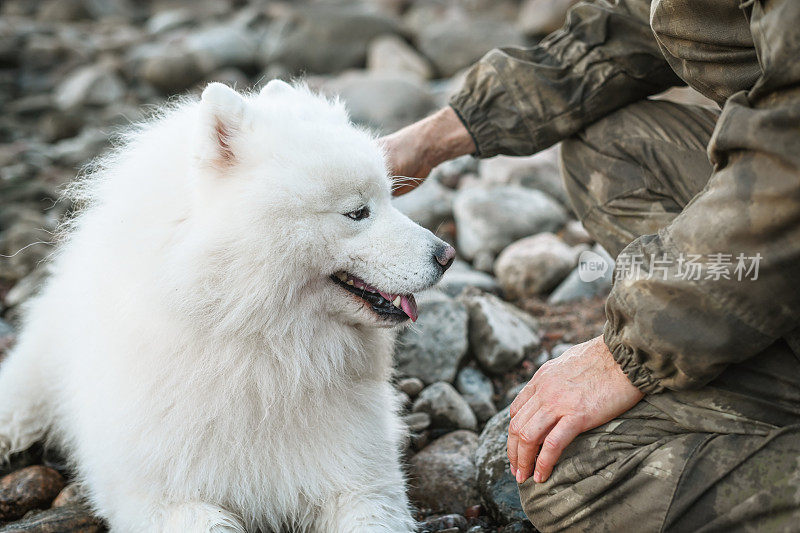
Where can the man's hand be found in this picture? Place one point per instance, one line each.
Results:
(414, 150)
(576, 392)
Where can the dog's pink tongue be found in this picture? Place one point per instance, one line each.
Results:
(409, 305)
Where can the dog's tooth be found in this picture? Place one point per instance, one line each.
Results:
(350, 282)
(396, 302)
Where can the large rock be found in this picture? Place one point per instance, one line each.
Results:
(95, 85)
(33, 487)
(443, 475)
(177, 62)
(497, 486)
(72, 494)
(170, 69)
(428, 205)
(390, 53)
(384, 101)
(503, 169)
(447, 409)
(574, 233)
(433, 348)
(324, 40)
(477, 390)
(455, 43)
(540, 171)
(223, 45)
(472, 382)
(450, 172)
(65, 519)
(500, 335)
(592, 277)
(461, 276)
(534, 265)
(543, 179)
(490, 219)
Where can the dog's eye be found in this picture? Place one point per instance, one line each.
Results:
(359, 214)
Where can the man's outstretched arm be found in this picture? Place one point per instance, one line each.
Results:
(519, 101)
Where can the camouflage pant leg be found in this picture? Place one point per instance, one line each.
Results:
(630, 173)
(647, 472)
(726, 457)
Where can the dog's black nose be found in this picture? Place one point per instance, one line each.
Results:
(445, 254)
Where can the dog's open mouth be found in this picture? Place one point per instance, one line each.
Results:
(398, 306)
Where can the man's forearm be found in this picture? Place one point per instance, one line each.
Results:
(445, 137)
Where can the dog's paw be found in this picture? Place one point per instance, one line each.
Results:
(227, 528)
(227, 524)
(201, 517)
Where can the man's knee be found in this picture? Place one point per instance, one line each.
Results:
(621, 475)
(551, 506)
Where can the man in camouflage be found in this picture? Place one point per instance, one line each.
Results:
(685, 414)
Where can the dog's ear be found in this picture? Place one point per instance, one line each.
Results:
(275, 87)
(222, 115)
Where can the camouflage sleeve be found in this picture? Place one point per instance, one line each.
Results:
(669, 328)
(520, 101)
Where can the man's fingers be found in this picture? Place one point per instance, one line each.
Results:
(518, 421)
(530, 439)
(522, 398)
(511, 450)
(554, 443)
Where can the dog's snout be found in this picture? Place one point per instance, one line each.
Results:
(445, 254)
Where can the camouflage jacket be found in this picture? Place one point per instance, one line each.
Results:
(666, 331)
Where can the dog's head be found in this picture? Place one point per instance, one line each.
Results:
(301, 197)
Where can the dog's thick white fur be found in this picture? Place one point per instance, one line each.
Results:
(191, 351)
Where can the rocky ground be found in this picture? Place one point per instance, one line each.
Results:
(74, 72)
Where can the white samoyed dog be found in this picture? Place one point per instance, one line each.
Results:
(213, 348)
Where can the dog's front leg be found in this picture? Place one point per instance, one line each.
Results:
(385, 510)
(196, 517)
(25, 402)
